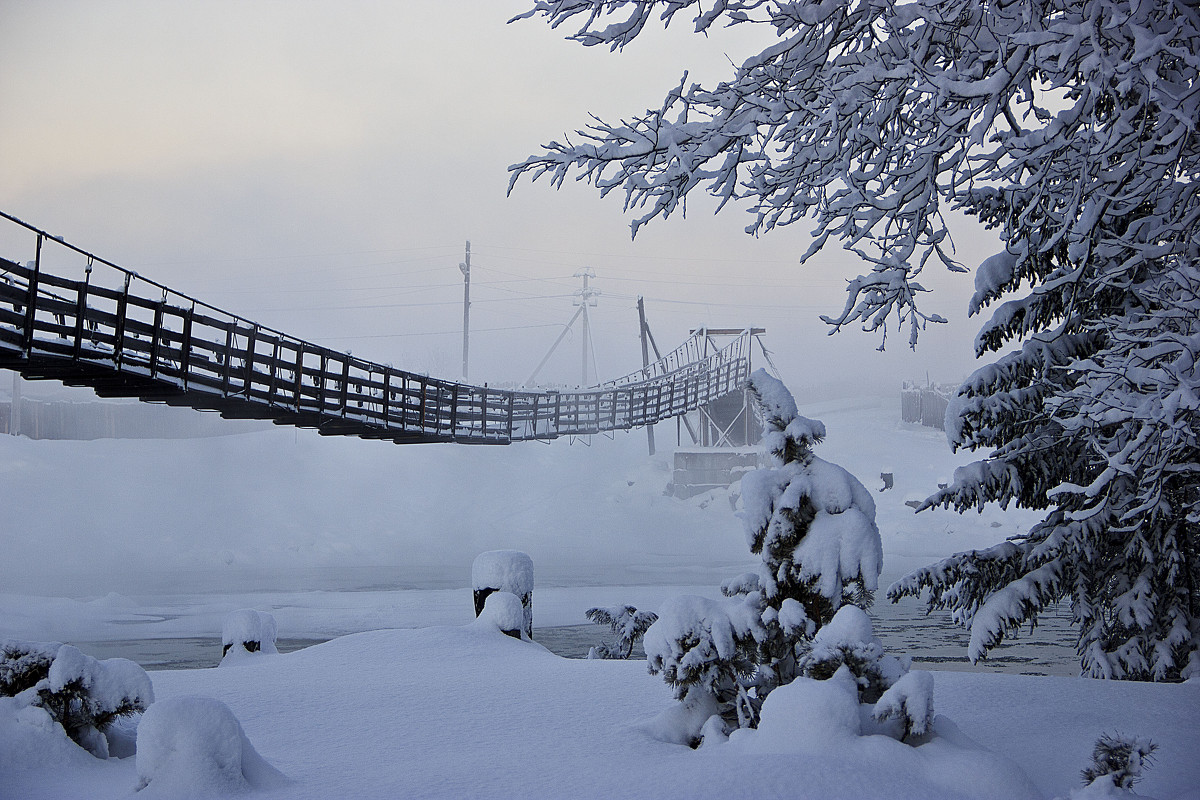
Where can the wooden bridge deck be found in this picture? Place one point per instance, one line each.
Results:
(127, 336)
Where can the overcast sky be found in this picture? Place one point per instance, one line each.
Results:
(318, 167)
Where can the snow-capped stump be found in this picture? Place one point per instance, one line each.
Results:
(505, 611)
(247, 631)
(195, 747)
(504, 571)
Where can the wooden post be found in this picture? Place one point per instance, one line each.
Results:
(185, 346)
(345, 384)
(644, 331)
(81, 309)
(387, 396)
(248, 375)
(298, 384)
(122, 313)
(157, 334)
(228, 365)
(31, 306)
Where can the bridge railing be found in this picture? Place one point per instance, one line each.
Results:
(124, 335)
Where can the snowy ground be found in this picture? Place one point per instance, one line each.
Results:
(108, 541)
(464, 712)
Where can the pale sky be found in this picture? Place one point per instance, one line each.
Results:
(318, 167)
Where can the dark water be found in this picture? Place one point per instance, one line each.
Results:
(904, 629)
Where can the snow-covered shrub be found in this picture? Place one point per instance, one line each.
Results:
(248, 631)
(849, 640)
(504, 571)
(195, 746)
(627, 623)
(910, 700)
(86, 696)
(1119, 759)
(813, 524)
(23, 664)
(504, 611)
(705, 650)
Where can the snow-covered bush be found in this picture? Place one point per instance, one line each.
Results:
(247, 631)
(504, 571)
(195, 747)
(705, 650)
(627, 623)
(1119, 759)
(23, 664)
(849, 640)
(83, 695)
(909, 700)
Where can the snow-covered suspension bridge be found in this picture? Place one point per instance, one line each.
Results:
(123, 335)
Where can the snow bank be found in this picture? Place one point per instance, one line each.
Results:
(194, 747)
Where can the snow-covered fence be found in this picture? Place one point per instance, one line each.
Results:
(925, 404)
(504, 571)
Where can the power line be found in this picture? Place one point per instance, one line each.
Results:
(438, 333)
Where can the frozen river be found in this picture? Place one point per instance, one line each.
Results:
(904, 628)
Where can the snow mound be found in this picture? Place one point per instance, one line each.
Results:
(30, 740)
(821, 721)
(504, 611)
(194, 747)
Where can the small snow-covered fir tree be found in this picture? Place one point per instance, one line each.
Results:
(1119, 759)
(706, 651)
(813, 524)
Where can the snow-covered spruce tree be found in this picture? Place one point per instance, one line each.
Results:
(1069, 127)
(813, 524)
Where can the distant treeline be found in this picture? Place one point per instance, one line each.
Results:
(55, 419)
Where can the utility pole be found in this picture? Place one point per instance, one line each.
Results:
(586, 297)
(465, 267)
(643, 329)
